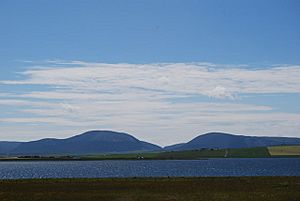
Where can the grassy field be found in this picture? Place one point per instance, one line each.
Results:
(154, 189)
(257, 152)
(193, 154)
(284, 150)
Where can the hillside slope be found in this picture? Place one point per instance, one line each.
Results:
(7, 147)
(217, 140)
(87, 143)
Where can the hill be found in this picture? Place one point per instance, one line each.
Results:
(87, 143)
(102, 142)
(7, 147)
(217, 140)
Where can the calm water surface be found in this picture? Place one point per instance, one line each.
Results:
(153, 168)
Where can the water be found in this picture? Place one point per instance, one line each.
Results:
(153, 168)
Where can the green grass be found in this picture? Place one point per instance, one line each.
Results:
(129, 156)
(193, 154)
(258, 152)
(261, 152)
(153, 189)
(284, 150)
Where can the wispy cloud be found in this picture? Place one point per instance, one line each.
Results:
(145, 98)
(179, 78)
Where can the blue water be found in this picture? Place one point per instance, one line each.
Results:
(153, 168)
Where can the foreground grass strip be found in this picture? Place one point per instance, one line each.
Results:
(154, 189)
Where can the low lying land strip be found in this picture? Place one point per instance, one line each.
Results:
(257, 152)
(154, 189)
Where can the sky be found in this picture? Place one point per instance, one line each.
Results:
(163, 71)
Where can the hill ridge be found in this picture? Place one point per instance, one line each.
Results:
(107, 141)
(222, 140)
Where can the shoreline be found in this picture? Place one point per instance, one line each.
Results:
(136, 178)
(135, 159)
(196, 154)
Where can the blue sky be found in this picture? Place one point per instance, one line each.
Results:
(164, 71)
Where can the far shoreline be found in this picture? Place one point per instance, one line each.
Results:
(196, 154)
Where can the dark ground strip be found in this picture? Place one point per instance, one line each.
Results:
(154, 189)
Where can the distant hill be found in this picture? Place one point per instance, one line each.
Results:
(173, 147)
(99, 142)
(7, 147)
(91, 142)
(224, 140)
